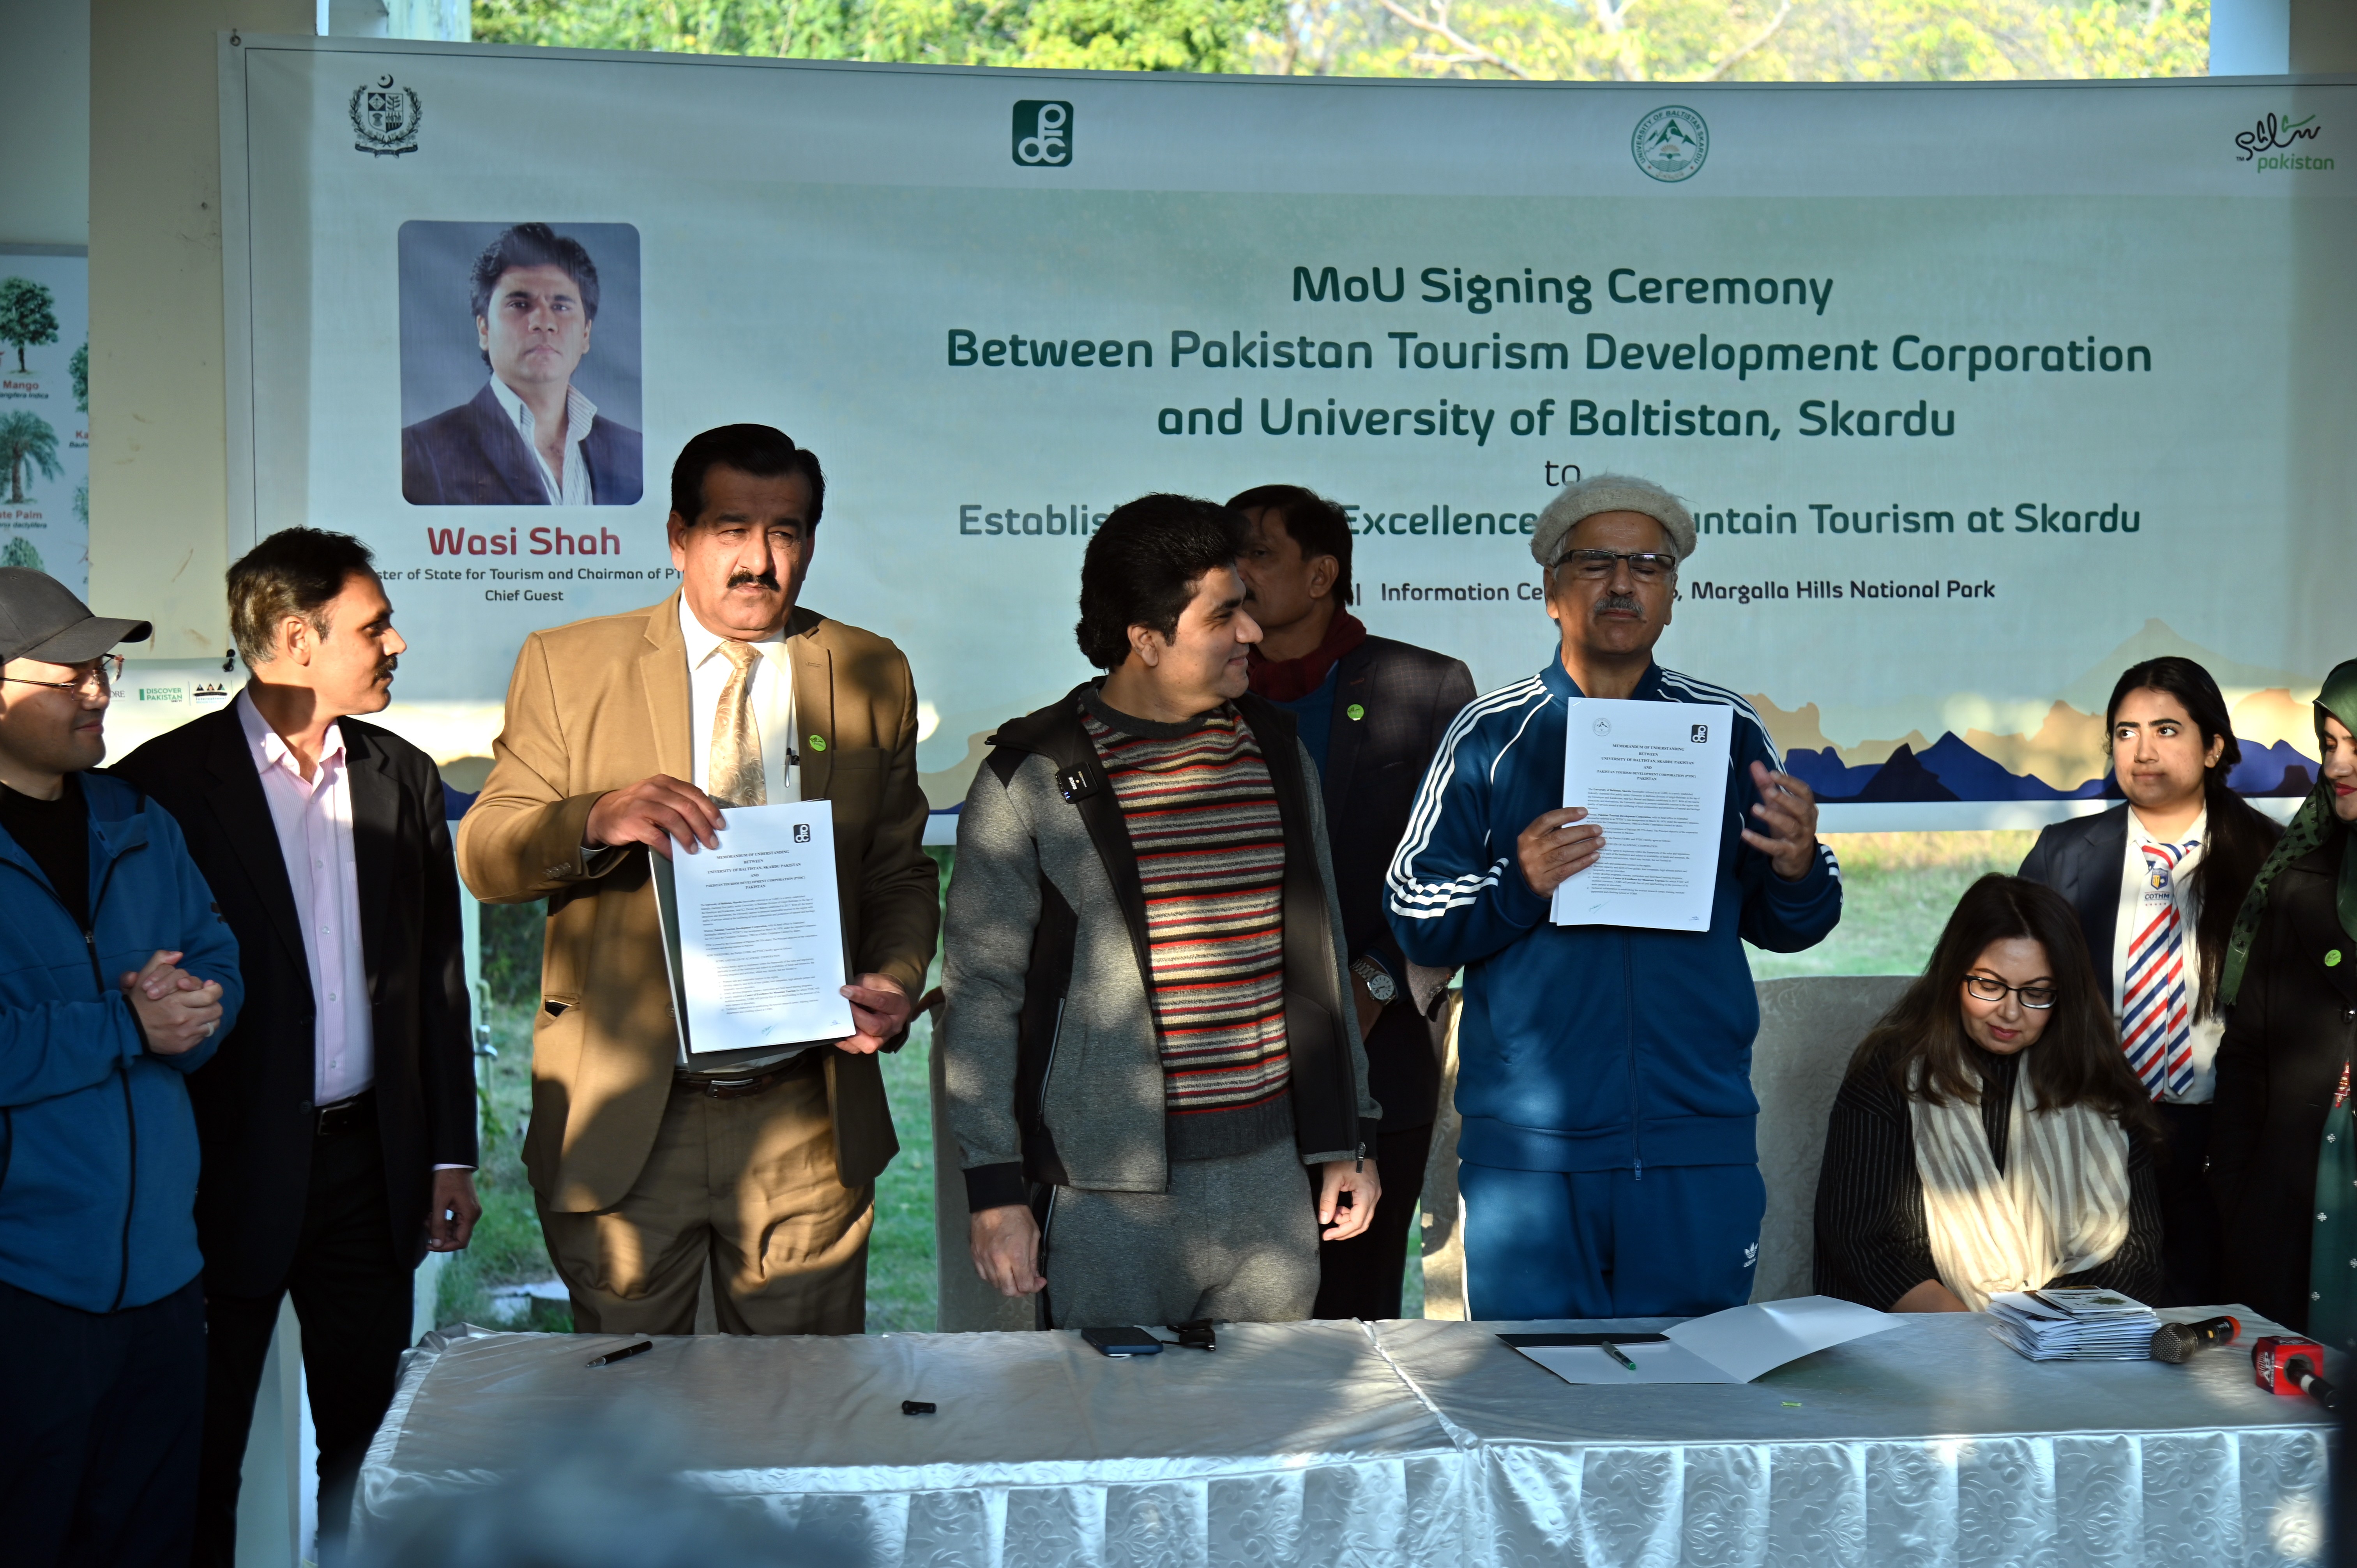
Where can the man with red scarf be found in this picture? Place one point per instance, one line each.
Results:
(1371, 713)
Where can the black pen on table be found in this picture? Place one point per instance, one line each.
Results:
(624, 1354)
(1618, 1354)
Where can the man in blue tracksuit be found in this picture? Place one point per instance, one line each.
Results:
(116, 975)
(1604, 1071)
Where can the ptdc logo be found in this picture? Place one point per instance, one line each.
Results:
(1043, 133)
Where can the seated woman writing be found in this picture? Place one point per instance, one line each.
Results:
(1990, 1135)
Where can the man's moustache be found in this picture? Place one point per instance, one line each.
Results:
(1620, 602)
(767, 579)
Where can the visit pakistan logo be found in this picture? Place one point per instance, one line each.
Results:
(1670, 143)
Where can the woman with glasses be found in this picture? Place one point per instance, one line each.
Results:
(2284, 1150)
(2155, 882)
(1990, 1136)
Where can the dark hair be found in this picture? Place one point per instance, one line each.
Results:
(533, 245)
(2077, 1058)
(295, 572)
(1310, 520)
(2240, 837)
(1142, 565)
(761, 450)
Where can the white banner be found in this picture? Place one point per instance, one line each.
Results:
(1978, 393)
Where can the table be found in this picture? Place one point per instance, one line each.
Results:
(1423, 1444)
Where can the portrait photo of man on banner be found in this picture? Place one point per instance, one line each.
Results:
(553, 424)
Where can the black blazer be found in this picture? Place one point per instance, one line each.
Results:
(1375, 764)
(474, 455)
(2293, 1026)
(254, 1098)
(2082, 859)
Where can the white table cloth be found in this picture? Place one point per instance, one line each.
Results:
(1429, 1445)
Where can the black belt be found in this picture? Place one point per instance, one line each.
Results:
(717, 1086)
(345, 1115)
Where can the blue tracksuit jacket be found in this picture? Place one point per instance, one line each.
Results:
(1591, 1048)
(98, 1145)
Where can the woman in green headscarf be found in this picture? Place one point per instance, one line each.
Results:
(2283, 1155)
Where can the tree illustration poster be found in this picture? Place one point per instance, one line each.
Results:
(45, 413)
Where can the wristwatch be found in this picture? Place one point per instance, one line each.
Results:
(1379, 983)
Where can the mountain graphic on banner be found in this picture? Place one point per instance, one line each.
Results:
(2063, 757)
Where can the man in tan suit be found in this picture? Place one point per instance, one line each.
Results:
(621, 734)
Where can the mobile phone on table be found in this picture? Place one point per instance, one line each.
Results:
(1121, 1342)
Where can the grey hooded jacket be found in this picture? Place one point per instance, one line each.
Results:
(1050, 1053)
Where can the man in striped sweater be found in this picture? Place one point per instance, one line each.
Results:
(1148, 1034)
(1604, 1076)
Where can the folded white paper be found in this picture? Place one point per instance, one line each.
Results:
(1731, 1347)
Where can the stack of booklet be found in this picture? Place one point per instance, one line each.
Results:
(2074, 1324)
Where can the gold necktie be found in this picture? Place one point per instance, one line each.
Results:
(736, 766)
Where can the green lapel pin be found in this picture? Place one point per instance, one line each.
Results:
(818, 743)
(2332, 958)
(1356, 711)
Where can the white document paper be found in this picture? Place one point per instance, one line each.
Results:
(1654, 776)
(1731, 1347)
(754, 933)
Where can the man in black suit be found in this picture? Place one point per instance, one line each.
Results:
(337, 1123)
(528, 437)
(1371, 713)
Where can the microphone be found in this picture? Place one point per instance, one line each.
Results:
(2285, 1364)
(2176, 1342)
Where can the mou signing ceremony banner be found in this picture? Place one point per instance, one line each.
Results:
(1978, 392)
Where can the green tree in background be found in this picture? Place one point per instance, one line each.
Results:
(81, 503)
(1625, 40)
(29, 316)
(1747, 40)
(20, 553)
(1106, 34)
(27, 441)
(78, 367)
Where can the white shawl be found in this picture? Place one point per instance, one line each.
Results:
(2061, 1205)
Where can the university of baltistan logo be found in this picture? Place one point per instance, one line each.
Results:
(385, 116)
(1670, 143)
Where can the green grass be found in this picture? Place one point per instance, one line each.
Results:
(1897, 890)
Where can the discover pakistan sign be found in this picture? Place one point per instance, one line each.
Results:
(1976, 391)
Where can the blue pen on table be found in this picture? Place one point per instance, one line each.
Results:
(624, 1354)
(1618, 1354)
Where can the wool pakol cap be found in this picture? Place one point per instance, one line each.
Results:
(40, 619)
(1612, 492)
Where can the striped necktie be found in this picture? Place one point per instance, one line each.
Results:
(2156, 1026)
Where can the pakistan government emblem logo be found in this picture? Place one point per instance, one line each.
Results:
(1670, 143)
(385, 118)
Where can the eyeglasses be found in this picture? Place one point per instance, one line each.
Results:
(1595, 566)
(2038, 995)
(106, 671)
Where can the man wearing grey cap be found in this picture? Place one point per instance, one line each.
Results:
(1608, 1166)
(116, 974)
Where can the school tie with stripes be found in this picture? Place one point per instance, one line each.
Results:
(2156, 1026)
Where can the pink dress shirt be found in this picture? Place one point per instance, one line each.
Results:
(314, 817)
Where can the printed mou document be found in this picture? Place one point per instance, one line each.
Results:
(1654, 776)
(753, 935)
